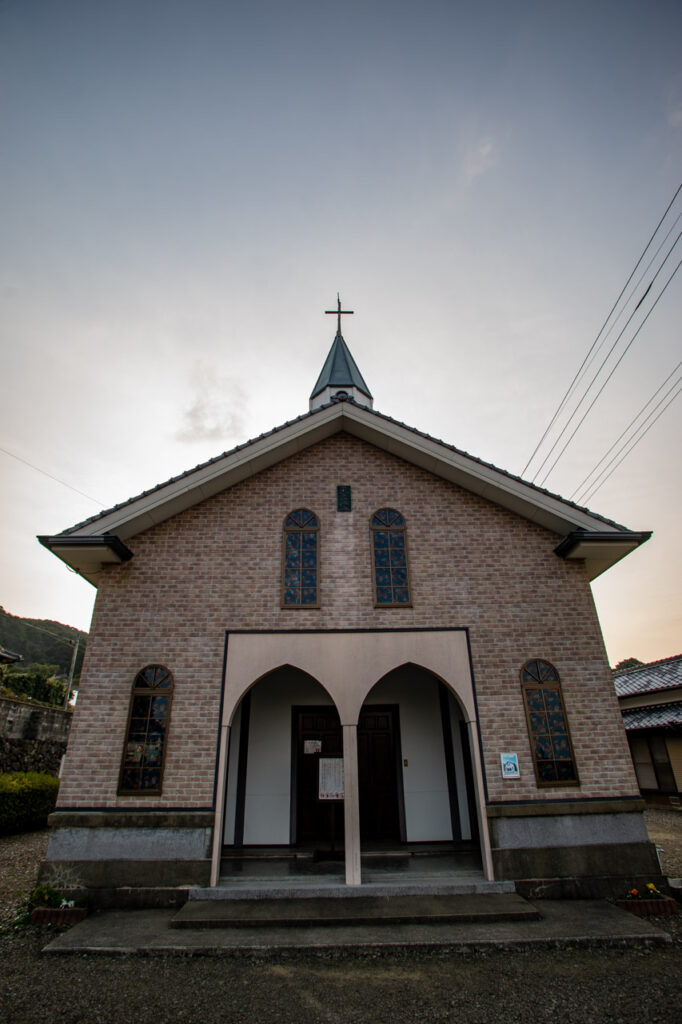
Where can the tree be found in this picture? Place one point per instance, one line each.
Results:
(628, 663)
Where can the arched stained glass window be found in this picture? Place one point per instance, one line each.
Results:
(145, 746)
(300, 570)
(389, 559)
(550, 739)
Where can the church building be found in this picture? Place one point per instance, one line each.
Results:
(342, 637)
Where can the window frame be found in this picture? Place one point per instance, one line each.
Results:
(286, 530)
(139, 689)
(554, 684)
(373, 530)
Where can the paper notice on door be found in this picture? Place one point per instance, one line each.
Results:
(312, 746)
(331, 778)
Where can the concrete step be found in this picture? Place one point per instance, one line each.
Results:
(361, 910)
(334, 887)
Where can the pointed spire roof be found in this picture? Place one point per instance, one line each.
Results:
(340, 370)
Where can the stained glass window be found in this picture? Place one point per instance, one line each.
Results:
(389, 559)
(300, 581)
(547, 725)
(143, 753)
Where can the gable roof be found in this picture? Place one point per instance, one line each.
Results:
(665, 674)
(101, 538)
(340, 370)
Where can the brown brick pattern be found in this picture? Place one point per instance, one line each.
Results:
(217, 566)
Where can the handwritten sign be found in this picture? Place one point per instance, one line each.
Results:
(331, 778)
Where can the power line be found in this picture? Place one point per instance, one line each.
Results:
(632, 447)
(632, 292)
(51, 477)
(617, 364)
(603, 364)
(582, 488)
(54, 636)
(573, 382)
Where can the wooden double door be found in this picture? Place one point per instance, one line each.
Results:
(317, 734)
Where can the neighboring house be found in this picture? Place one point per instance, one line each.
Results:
(8, 658)
(650, 698)
(346, 631)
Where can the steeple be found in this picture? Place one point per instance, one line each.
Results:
(340, 378)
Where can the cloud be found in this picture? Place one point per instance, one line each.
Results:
(479, 159)
(216, 411)
(675, 117)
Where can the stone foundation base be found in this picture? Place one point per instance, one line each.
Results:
(573, 849)
(129, 858)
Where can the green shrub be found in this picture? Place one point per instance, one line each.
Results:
(26, 799)
(45, 896)
(35, 681)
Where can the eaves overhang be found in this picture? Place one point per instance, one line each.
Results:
(599, 550)
(561, 517)
(87, 555)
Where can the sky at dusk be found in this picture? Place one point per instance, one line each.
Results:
(186, 184)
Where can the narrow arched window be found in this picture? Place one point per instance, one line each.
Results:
(301, 564)
(389, 559)
(550, 739)
(145, 746)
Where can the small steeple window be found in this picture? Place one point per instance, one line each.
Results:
(389, 559)
(300, 570)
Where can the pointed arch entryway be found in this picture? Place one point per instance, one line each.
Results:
(415, 767)
(345, 665)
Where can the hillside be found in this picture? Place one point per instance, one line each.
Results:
(41, 641)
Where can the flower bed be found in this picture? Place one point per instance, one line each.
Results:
(58, 915)
(663, 907)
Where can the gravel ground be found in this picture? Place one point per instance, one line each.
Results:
(574, 986)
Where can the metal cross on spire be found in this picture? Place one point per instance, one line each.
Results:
(339, 312)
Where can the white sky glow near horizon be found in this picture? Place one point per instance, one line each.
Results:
(185, 186)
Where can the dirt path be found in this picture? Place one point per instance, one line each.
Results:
(599, 986)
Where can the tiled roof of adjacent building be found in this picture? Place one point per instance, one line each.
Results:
(660, 716)
(665, 674)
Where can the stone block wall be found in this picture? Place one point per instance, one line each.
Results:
(32, 739)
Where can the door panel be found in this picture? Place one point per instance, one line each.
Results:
(378, 774)
(317, 821)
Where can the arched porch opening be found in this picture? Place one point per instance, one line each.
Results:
(280, 728)
(415, 770)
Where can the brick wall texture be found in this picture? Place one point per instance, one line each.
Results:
(217, 567)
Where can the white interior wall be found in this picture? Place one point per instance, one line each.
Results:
(425, 784)
(268, 770)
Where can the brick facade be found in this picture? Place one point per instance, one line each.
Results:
(217, 567)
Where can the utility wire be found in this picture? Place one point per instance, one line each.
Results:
(55, 478)
(573, 382)
(625, 304)
(632, 447)
(619, 361)
(603, 364)
(61, 639)
(582, 488)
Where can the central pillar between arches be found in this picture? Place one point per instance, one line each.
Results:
(351, 805)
